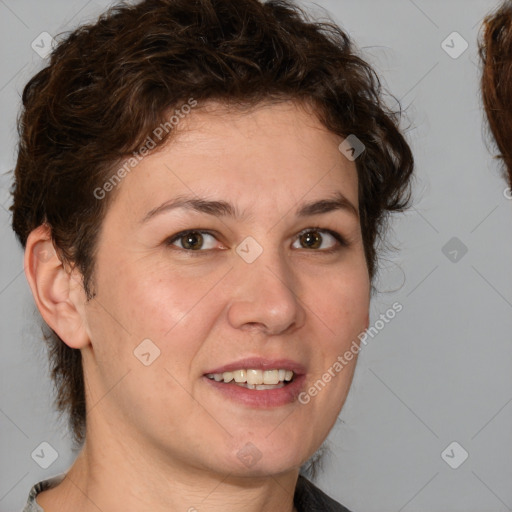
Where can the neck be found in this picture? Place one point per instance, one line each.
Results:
(123, 476)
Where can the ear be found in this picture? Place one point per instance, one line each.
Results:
(57, 291)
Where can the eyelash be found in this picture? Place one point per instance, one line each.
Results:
(342, 242)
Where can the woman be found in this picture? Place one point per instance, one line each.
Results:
(200, 188)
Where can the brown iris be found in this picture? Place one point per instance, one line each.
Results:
(192, 240)
(312, 239)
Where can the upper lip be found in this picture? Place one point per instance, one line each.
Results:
(260, 363)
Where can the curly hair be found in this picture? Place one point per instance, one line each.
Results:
(108, 84)
(495, 50)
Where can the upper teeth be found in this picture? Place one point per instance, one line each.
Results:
(253, 376)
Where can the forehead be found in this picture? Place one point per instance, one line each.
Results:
(272, 156)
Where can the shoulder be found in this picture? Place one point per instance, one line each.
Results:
(43, 485)
(309, 498)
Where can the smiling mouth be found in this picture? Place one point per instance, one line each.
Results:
(254, 378)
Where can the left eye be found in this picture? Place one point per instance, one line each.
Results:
(313, 238)
(191, 240)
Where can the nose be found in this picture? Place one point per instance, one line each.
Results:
(265, 297)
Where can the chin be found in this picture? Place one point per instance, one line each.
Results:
(263, 457)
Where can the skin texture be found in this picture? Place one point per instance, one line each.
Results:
(160, 437)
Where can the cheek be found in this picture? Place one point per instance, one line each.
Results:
(172, 309)
(340, 307)
(341, 300)
(155, 300)
(136, 303)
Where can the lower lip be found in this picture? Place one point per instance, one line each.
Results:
(264, 398)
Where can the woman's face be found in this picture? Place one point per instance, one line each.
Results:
(260, 283)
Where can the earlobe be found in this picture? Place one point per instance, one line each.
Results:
(56, 291)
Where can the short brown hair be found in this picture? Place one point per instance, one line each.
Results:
(495, 49)
(110, 83)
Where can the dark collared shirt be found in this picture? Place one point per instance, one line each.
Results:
(307, 498)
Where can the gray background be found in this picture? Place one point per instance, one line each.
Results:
(437, 373)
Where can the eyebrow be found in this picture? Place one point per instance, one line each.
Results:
(224, 209)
